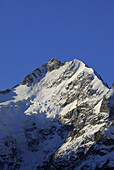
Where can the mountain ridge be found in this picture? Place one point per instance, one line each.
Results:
(60, 64)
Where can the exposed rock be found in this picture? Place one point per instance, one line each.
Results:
(112, 85)
(104, 106)
(34, 76)
(53, 64)
(11, 159)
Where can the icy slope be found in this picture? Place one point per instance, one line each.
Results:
(57, 115)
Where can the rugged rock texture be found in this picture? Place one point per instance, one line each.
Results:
(59, 117)
(53, 64)
(37, 74)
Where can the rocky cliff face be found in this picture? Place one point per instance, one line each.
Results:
(59, 117)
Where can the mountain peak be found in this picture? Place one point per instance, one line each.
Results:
(59, 117)
(53, 64)
(38, 73)
(52, 60)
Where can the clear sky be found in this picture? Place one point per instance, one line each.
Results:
(33, 31)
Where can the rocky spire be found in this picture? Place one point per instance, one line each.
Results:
(53, 64)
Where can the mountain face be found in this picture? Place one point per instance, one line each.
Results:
(59, 117)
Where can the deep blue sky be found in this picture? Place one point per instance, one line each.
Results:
(33, 31)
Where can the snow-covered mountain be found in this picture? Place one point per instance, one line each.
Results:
(59, 117)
